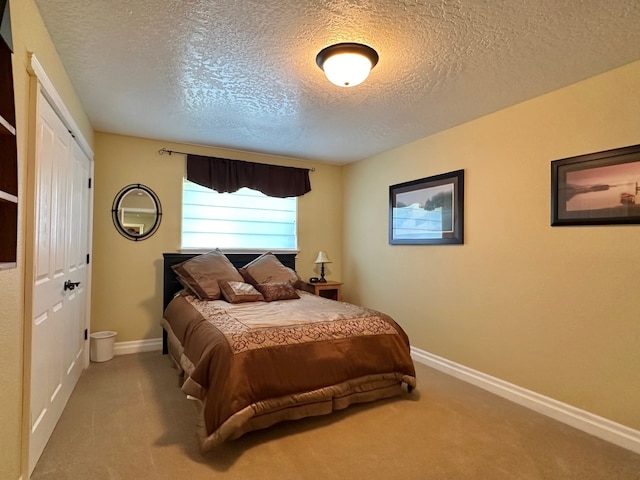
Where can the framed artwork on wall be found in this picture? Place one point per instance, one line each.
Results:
(428, 211)
(601, 188)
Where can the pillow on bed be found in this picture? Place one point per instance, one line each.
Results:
(203, 272)
(185, 285)
(239, 292)
(268, 269)
(277, 291)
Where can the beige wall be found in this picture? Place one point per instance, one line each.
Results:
(554, 310)
(127, 275)
(29, 35)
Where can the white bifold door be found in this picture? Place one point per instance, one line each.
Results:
(58, 282)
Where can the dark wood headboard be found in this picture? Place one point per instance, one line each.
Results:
(172, 286)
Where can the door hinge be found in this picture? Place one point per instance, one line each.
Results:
(86, 334)
(89, 183)
(88, 257)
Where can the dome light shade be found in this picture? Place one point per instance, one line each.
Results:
(347, 64)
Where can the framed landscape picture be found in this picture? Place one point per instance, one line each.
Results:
(600, 188)
(428, 211)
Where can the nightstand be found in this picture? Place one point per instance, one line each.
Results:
(326, 289)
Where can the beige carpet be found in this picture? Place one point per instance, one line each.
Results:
(127, 419)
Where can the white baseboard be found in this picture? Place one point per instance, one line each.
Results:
(581, 419)
(137, 346)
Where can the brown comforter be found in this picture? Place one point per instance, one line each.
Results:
(255, 364)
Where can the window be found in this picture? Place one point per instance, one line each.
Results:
(246, 219)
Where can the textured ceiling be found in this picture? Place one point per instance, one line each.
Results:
(241, 74)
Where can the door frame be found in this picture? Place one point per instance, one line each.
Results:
(39, 82)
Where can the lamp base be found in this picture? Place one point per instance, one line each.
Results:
(322, 279)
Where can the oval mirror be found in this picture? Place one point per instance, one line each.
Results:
(136, 212)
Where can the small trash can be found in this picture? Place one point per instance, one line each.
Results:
(101, 348)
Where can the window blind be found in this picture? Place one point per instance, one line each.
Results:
(245, 219)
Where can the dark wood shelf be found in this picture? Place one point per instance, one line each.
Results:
(8, 163)
(9, 228)
(7, 101)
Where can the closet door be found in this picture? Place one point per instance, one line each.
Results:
(59, 279)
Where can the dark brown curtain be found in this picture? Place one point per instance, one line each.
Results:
(224, 175)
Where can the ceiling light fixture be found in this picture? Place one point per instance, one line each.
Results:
(347, 64)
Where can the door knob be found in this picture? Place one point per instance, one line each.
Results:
(69, 285)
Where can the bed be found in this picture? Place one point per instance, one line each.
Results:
(262, 350)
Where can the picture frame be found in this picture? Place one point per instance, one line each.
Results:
(427, 211)
(601, 188)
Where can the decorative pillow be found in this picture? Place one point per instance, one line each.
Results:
(239, 292)
(184, 284)
(277, 291)
(203, 272)
(268, 269)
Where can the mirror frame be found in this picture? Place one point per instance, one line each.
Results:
(115, 209)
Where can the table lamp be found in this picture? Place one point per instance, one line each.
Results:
(322, 259)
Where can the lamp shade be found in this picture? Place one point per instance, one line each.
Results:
(322, 257)
(347, 64)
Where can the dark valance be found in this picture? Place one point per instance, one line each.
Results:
(224, 175)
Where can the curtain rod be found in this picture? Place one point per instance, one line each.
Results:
(164, 150)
